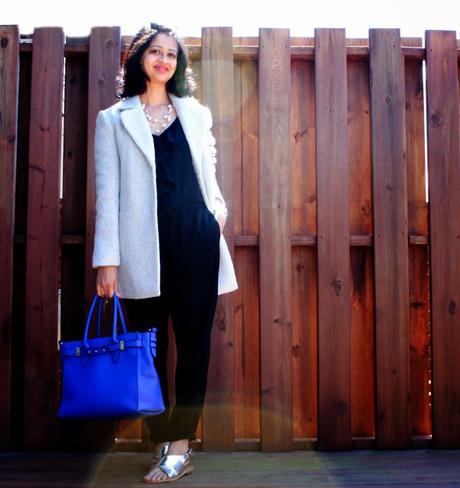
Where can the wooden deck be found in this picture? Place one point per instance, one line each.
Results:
(415, 467)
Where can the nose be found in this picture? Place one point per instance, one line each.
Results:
(164, 57)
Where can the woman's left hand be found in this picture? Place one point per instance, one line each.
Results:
(221, 219)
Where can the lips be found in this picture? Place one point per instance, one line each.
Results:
(162, 69)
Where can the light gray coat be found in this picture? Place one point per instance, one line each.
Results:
(126, 230)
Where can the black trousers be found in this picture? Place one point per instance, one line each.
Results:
(189, 257)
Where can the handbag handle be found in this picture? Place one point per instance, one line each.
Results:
(117, 308)
(153, 335)
(117, 305)
(99, 319)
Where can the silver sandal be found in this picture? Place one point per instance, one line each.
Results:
(174, 466)
(158, 454)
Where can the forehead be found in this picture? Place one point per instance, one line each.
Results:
(164, 41)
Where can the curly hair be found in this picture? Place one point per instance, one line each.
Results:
(132, 79)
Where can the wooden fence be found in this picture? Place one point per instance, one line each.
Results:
(345, 331)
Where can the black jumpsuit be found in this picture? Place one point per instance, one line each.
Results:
(189, 237)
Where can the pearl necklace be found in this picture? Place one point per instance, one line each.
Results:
(156, 124)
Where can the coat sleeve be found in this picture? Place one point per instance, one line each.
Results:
(106, 250)
(218, 205)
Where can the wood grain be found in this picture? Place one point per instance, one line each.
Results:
(218, 90)
(444, 201)
(361, 258)
(19, 255)
(103, 66)
(334, 394)
(9, 83)
(389, 185)
(246, 211)
(247, 347)
(274, 239)
(303, 265)
(42, 272)
(294, 162)
(419, 288)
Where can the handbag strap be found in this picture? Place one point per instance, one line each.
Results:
(88, 318)
(99, 319)
(117, 309)
(153, 330)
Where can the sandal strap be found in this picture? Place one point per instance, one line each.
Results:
(173, 464)
(159, 453)
(164, 449)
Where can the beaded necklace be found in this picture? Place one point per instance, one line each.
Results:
(159, 124)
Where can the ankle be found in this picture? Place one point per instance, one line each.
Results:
(180, 446)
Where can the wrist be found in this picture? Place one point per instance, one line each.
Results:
(219, 213)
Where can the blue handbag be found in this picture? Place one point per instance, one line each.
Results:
(111, 377)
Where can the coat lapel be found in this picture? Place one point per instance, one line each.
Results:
(190, 117)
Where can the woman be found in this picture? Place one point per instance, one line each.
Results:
(159, 220)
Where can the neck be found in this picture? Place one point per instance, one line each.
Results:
(156, 94)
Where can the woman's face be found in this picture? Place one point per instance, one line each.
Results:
(159, 60)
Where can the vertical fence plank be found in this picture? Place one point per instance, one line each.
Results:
(9, 87)
(274, 240)
(444, 201)
(419, 311)
(103, 66)
(247, 319)
(104, 63)
(73, 195)
(250, 149)
(42, 274)
(217, 75)
(390, 238)
(361, 257)
(334, 397)
(19, 254)
(247, 338)
(303, 223)
(73, 217)
(304, 345)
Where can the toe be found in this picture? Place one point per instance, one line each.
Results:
(150, 475)
(159, 475)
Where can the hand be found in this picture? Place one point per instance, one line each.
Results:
(221, 219)
(106, 282)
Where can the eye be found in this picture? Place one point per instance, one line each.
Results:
(172, 55)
